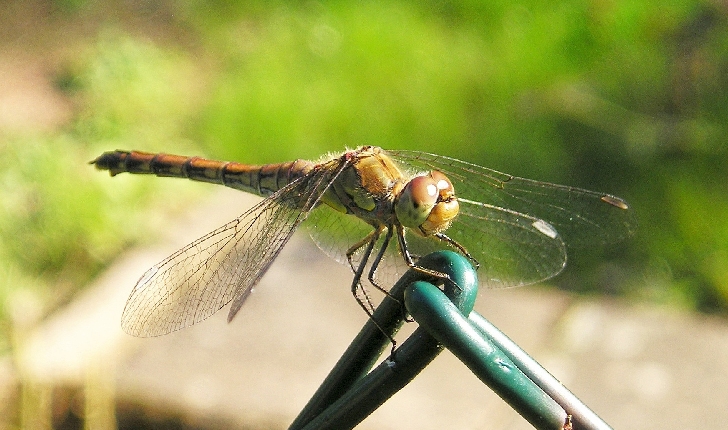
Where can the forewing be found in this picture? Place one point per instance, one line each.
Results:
(222, 266)
(516, 228)
(513, 249)
(581, 217)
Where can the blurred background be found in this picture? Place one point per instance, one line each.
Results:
(624, 97)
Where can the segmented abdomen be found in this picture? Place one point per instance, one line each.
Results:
(262, 180)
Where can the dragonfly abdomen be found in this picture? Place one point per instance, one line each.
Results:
(262, 180)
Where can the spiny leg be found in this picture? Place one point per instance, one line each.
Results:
(373, 272)
(355, 247)
(408, 258)
(369, 241)
(375, 264)
(445, 238)
(356, 284)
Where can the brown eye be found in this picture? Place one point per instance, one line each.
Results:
(443, 184)
(416, 201)
(423, 190)
(427, 204)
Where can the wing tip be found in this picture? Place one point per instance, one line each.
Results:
(615, 201)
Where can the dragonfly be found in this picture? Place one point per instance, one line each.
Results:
(376, 211)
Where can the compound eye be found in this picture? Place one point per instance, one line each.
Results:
(416, 201)
(424, 191)
(445, 209)
(444, 186)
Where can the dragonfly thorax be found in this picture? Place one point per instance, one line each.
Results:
(427, 204)
(367, 186)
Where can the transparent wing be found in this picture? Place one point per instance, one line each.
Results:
(225, 264)
(334, 232)
(516, 228)
(511, 247)
(580, 216)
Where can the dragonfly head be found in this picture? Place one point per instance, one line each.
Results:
(427, 204)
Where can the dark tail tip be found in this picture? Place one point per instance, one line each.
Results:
(109, 161)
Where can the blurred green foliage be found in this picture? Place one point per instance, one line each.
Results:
(60, 221)
(629, 98)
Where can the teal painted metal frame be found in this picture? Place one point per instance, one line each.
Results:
(351, 392)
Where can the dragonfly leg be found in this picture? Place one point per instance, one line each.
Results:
(370, 240)
(377, 260)
(410, 262)
(357, 246)
(373, 273)
(460, 248)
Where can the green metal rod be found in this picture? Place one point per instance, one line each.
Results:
(434, 312)
(582, 416)
(348, 394)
